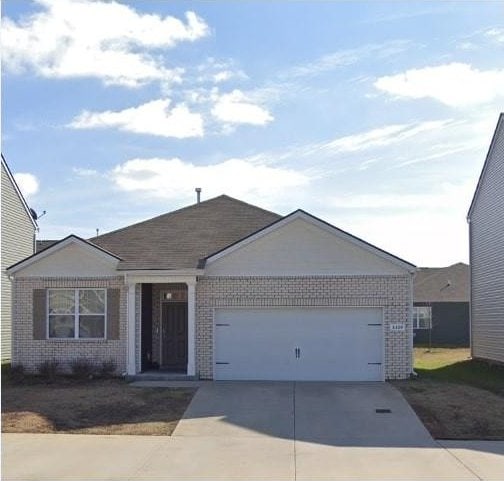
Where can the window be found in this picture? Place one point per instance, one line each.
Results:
(422, 317)
(76, 313)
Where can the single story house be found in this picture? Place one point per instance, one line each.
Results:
(486, 251)
(441, 306)
(219, 290)
(18, 242)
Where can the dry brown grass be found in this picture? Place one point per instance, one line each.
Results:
(456, 397)
(91, 407)
(456, 411)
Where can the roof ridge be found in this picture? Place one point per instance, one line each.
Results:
(247, 204)
(177, 211)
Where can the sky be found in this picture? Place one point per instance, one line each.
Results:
(374, 116)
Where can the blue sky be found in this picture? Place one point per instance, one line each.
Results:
(375, 116)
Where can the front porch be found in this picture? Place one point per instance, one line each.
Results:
(161, 326)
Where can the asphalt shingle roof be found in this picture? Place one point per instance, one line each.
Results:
(43, 244)
(442, 284)
(180, 239)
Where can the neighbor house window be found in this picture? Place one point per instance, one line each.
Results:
(422, 317)
(77, 313)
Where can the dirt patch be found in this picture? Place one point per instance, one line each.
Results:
(455, 411)
(92, 407)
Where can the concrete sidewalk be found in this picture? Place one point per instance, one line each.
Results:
(87, 457)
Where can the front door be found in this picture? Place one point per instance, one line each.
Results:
(174, 336)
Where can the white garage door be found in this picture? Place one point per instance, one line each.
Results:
(312, 344)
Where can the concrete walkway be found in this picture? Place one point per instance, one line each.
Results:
(265, 431)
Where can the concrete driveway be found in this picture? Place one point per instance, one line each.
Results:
(274, 431)
(335, 414)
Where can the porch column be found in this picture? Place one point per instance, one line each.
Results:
(191, 328)
(131, 360)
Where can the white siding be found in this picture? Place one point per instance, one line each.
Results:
(70, 261)
(17, 243)
(487, 257)
(301, 248)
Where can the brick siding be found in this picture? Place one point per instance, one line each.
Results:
(31, 353)
(392, 293)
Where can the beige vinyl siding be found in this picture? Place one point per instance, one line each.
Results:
(487, 257)
(17, 243)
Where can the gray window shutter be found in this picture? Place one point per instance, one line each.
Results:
(39, 313)
(113, 298)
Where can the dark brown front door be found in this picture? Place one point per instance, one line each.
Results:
(174, 336)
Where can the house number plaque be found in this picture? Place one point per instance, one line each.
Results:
(397, 326)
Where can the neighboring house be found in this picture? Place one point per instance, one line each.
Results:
(18, 240)
(486, 248)
(219, 290)
(441, 305)
(40, 245)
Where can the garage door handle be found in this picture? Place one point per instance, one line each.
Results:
(297, 352)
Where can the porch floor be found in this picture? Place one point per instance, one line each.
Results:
(160, 375)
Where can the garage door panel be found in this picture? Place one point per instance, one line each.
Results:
(333, 344)
(250, 344)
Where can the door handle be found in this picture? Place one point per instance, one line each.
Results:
(297, 352)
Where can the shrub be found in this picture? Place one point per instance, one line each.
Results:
(108, 368)
(82, 368)
(49, 369)
(17, 373)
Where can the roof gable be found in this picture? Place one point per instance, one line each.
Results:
(51, 261)
(498, 134)
(301, 244)
(5, 166)
(179, 239)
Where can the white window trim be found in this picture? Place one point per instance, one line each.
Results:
(416, 318)
(76, 291)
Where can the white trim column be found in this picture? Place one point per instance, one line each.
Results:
(191, 328)
(131, 352)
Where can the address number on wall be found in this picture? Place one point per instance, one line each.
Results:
(397, 326)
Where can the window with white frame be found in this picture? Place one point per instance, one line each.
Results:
(422, 317)
(76, 313)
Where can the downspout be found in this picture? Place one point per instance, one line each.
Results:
(410, 319)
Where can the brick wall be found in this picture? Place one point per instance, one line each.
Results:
(392, 293)
(30, 353)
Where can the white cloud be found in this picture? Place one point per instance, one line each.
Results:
(446, 196)
(382, 136)
(427, 228)
(496, 34)
(345, 57)
(175, 178)
(237, 108)
(82, 172)
(154, 118)
(225, 75)
(454, 84)
(27, 183)
(105, 40)
(427, 238)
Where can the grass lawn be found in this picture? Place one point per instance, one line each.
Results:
(456, 397)
(108, 406)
